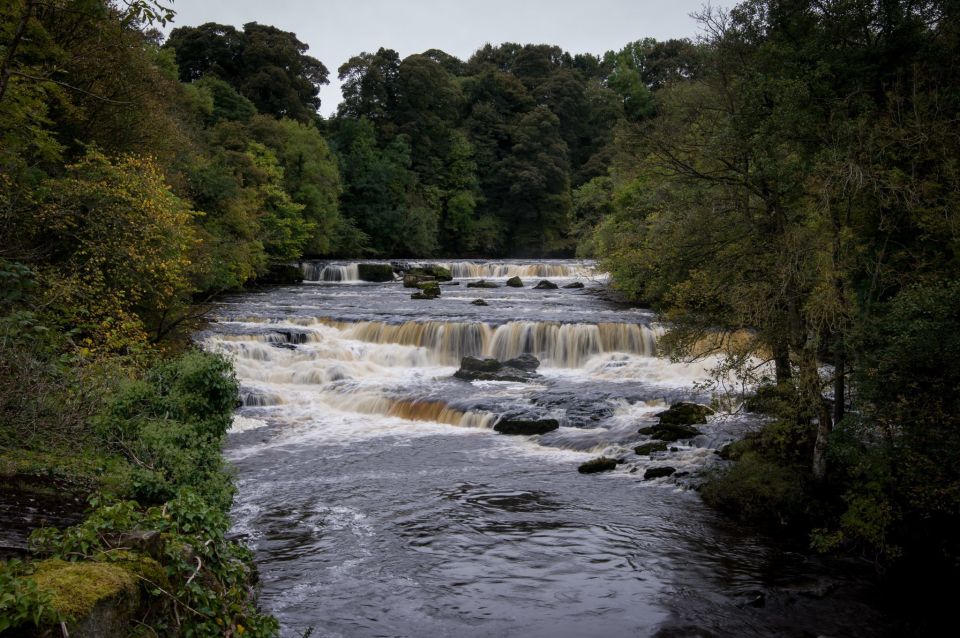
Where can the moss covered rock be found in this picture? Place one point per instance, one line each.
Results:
(414, 281)
(574, 285)
(671, 432)
(428, 290)
(483, 283)
(375, 272)
(100, 598)
(684, 413)
(515, 282)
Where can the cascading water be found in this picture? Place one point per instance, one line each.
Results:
(380, 501)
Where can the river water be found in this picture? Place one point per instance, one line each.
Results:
(380, 502)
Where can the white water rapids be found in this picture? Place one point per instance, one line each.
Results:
(380, 501)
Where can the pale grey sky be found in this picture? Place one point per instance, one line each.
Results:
(339, 29)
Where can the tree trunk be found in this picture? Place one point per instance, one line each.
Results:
(781, 362)
(5, 66)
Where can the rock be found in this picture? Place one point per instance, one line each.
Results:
(100, 598)
(483, 283)
(431, 270)
(685, 414)
(414, 281)
(479, 302)
(671, 432)
(515, 282)
(375, 272)
(520, 369)
(473, 364)
(575, 284)
(428, 290)
(602, 464)
(658, 472)
(525, 426)
(649, 448)
(526, 362)
(450, 283)
(545, 285)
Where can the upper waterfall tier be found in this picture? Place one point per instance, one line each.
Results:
(349, 272)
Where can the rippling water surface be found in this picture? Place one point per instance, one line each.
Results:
(380, 502)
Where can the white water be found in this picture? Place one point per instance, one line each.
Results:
(380, 501)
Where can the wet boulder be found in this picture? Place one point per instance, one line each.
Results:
(507, 425)
(545, 285)
(479, 302)
(282, 274)
(428, 290)
(575, 284)
(526, 362)
(602, 464)
(671, 432)
(414, 281)
(375, 272)
(520, 369)
(684, 413)
(658, 472)
(515, 282)
(483, 283)
(439, 273)
(646, 449)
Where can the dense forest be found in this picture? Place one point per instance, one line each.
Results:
(783, 189)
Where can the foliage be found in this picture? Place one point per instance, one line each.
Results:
(21, 601)
(206, 577)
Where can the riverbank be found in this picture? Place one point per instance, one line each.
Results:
(129, 513)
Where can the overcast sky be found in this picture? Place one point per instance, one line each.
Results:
(336, 30)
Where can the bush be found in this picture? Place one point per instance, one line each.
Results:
(760, 491)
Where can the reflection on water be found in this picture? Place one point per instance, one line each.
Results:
(380, 502)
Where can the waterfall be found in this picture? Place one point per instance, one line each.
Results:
(561, 345)
(409, 409)
(314, 271)
(472, 270)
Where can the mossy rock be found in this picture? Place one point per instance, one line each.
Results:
(684, 413)
(647, 449)
(428, 290)
(658, 472)
(574, 285)
(602, 464)
(515, 282)
(99, 597)
(545, 285)
(431, 270)
(375, 272)
(483, 283)
(414, 281)
(479, 302)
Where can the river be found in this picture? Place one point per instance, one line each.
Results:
(380, 502)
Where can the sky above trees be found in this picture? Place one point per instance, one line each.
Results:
(336, 30)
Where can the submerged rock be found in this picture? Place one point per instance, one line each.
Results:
(525, 426)
(483, 283)
(479, 302)
(602, 464)
(658, 472)
(684, 413)
(649, 448)
(515, 282)
(671, 432)
(519, 369)
(575, 284)
(545, 285)
(375, 272)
